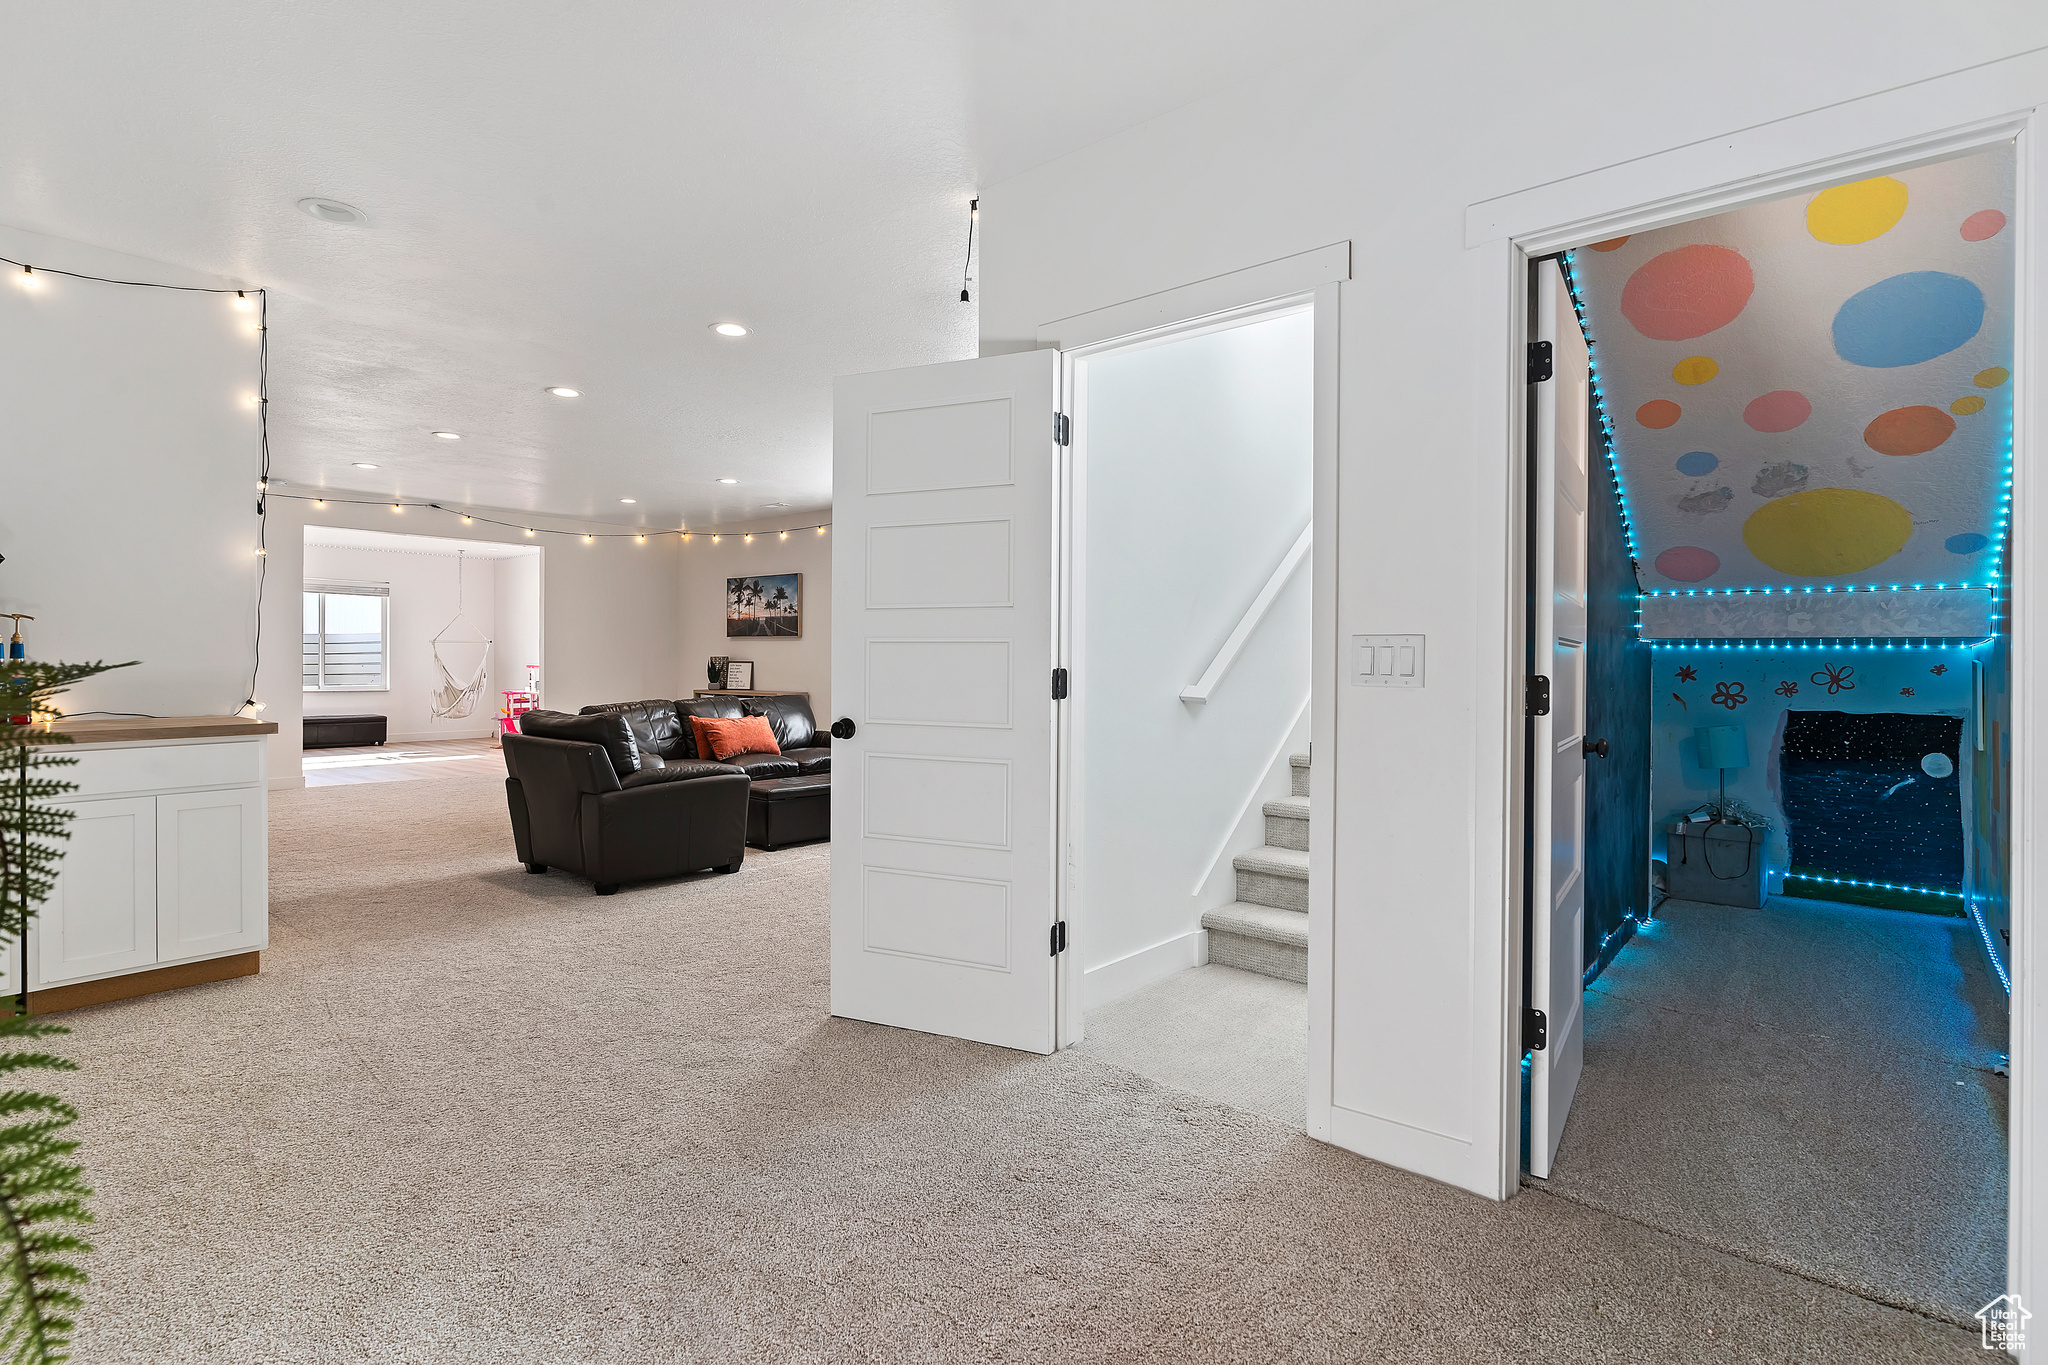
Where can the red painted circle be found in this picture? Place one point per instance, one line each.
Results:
(1687, 563)
(1778, 410)
(1908, 431)
(1982, 224)
(1687, 292)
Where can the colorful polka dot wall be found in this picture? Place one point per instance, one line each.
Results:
(1816, 391)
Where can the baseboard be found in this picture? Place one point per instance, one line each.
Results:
(128, 985)
(428, 736)
(278, 784)
(1112, 981)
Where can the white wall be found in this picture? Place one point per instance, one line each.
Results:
(1195, 459)
(608, 620)
(128, 467)
(1386, 144)
(799, 665)
(423, 601)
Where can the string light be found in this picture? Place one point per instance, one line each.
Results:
(749, 537)
(396, 508)
(639, 540)
(588, 540)
(241, 303)
(973, 216)
(1876, 886)
(28, 278)
(471, 518)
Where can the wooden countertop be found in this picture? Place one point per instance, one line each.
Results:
(135, 729)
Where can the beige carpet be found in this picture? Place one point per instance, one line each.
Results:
(1809, 1085)
(1232, 1036)
(470, 1115)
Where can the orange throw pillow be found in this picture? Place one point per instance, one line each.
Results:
(744, 735)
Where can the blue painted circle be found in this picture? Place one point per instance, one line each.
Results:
(1698, 462)
(1907, 319)
(1967, 544)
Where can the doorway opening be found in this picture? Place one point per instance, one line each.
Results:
(1185, 747)
(1768, 769)
(415, 651)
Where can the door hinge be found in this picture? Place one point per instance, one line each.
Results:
(1059, 938)
(1535, 1030)
(1062, 430)
(1540, 367)
(1536, 699)
(1059, 684)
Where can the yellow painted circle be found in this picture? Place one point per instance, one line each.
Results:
(1695, 369)
(1963, 407)
(1993, 377)
(1848, 214)
(1827, 531)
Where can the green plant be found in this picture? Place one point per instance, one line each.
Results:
(42, 1192)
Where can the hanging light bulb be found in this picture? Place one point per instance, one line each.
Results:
(242, 303)
(467, 520)
(714, 540)
(529, 530)
(821, 530)
(396, 508)
(260, 552)
(784, 535)
(639, 540)
(28, 278)
(749, 538)
(319, 502)
(590, 540)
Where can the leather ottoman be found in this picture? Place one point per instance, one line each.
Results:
(789, 810)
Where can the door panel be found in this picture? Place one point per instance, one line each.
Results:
(1557, 879)
(101, 916)
(212, 874)
(945, 519)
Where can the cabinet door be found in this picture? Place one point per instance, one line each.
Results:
(101, 917)
(211, 873)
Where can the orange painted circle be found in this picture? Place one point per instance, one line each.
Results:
(1909, 431)
(1611, 244)
(1658, 413)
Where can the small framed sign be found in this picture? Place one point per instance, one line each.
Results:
(739, 675)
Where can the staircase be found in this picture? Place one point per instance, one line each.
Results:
(1265, 929)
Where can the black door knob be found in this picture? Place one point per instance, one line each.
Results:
(843, 728)
(1596, 746)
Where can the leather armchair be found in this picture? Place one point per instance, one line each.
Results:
(572, 809)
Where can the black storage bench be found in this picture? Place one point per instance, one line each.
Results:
(789, 810)
(335, 732)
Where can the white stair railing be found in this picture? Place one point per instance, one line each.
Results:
(1199, 690)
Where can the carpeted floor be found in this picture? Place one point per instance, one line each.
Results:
(469, 1115)
(1232, 1036)
(1809, 1085)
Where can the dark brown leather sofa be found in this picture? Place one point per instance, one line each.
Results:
(586, 798)
(790, 796)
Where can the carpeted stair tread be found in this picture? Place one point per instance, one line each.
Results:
(1274, 862)
(1288, 807)
(1289, 927)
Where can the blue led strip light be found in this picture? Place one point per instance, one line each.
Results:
(1984, 933)
(1809, 589)
(1780, 645)
(1876, 886)
(1628, 530)
(1629, 924)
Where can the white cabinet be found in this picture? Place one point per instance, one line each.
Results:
(155, 878)
(211, 871)
(102, 915)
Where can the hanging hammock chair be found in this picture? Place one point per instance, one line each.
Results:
(454, 699)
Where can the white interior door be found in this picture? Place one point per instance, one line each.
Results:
(1557, 873)
(945, 521)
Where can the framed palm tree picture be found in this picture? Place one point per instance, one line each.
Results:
(765, 605)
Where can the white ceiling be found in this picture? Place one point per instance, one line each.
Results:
(349, 538)
(572, 194)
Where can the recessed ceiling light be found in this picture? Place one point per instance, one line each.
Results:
(728, 329)
(449, 435)
(566, 393)
(629, 499)
(333, 211)
(361, 465)
(728, 480)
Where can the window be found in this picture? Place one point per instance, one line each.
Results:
(345, 630)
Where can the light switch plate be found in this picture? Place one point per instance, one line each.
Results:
(1386, 660)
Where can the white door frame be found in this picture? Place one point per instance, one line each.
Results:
(1311, 277)
(1967, 111)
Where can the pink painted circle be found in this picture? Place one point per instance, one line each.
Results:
(1687, 292)
(1687, 563)
(1982, 224)
(1778, 410)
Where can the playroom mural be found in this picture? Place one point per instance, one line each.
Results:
(1817, 391)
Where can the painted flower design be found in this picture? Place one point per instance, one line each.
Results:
(1835, 678)
(1905, 691)
(1687, 674)
(1788, 688)
(1938, 669)
(1730, 695)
